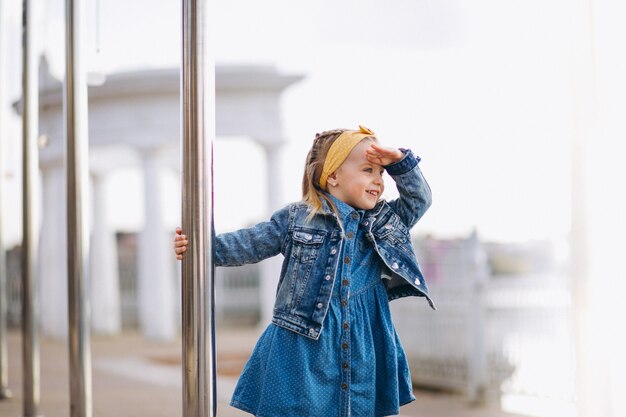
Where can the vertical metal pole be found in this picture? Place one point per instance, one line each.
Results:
(4, 372)
(30, 127)
(198, 130)
(76, 125)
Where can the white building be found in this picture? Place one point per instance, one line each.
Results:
(134, 121)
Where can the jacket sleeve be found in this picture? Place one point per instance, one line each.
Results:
(253, 244)
(415, 195)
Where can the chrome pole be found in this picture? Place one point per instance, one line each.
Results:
(4, 372)
(76, 126)
(30, 127)
(198, 130)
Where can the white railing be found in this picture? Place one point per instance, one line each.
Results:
(492, 335)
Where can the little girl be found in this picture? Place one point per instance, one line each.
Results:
(332, 349)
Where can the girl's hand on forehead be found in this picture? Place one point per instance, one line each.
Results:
(382, 155)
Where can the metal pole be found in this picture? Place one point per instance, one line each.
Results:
(30, 127)
(198, 130)
(4, 372)
(76, 125)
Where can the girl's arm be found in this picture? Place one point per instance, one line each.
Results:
(415, 195)
(245, 246)
(252, 245)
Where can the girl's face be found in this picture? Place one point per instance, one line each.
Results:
(358, 182)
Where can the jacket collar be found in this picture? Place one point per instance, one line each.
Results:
(327, 210)
(343, 208)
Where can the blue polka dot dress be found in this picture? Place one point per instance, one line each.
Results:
(356, 368)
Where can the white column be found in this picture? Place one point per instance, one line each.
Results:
(270, 268)
(53, 254)
(104, 288)
(592, 396)
(477, 355)
(156, 270)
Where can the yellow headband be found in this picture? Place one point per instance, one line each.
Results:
(340, 149)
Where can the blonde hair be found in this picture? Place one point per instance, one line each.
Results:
(312, 192)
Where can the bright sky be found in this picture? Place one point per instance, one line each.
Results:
(480, 90)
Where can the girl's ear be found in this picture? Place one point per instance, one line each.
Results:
(332, 179)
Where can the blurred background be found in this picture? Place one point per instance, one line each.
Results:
(515, 107)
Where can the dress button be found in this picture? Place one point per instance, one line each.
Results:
(346, 260)
(417, 281)
(366, 223)
(345, 326)
(344, 387)
(344, 303)
(388, 226)
(344, 365)
(394, 265)
(308, 237)
(320, 305)
(345, 282)
(350, 235)
(333, 251)
(355, 216)
(312, 332)
(327, 277)
(344, 345)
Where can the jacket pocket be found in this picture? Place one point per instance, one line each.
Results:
(305, 249)
(392, 231)
(306, 246)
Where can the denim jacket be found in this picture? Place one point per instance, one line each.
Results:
(311, 249)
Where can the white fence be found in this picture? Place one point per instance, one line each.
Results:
(237, 289)
(492, 335)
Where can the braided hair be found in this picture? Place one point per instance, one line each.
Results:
(312, 193)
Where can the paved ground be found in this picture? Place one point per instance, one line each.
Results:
(133, 377)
